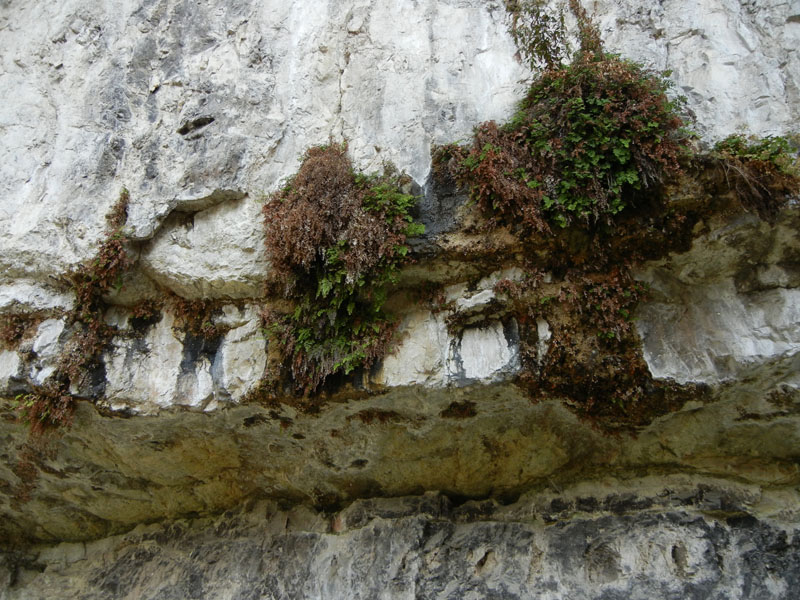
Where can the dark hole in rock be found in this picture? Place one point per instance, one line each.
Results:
(459, 410)
(194, 125)
(255, 420)
(482, 562)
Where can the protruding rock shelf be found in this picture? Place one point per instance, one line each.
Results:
(676, 537)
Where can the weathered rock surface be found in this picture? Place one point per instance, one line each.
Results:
(108, 473)
(193, 105)
(736, 62)
(671, 538)
(185, 256)
(728, 307)
(190, 104)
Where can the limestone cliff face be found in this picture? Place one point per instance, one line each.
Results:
(433, 475)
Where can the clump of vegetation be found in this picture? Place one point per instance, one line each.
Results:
(595, 137)
(593, 359)
(195, 317)
(761, 172)
(46, 407)
(587, 137)
(336, 240)
(592, 140)
(14, 326)
(145, 313)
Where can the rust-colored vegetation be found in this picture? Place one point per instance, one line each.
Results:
(52, 404)
(336, 240)
(15, 326)
(578, 174)
(762, 173)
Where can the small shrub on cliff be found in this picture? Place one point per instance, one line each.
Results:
(196, 317)
(336, 240)
(585, 139)
(761, 172)
(45, 407)
(14, 326)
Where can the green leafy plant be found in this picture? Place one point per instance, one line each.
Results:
(336, 240)
(586, 139)
(761, 172)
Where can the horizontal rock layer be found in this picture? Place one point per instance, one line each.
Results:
(107, 473)
(676, 537)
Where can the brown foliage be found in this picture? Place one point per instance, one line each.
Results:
(321, 208)
(13, 327)
(335, 240)
(491, 170)
(196, 316)
(594, 358)
(761, 173)
(52, 405)
(47, 407)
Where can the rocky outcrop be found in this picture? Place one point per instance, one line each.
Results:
(723, 310)
(435, 473)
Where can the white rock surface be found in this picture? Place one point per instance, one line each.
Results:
(421, 355)
(718, 334)
(166, 368)
(483, 354)
(736, 62)
(10, 369)
(186, 104)
(726, 308)
(142, 375)
(47, 349)
(429, 354)
(195, 388)
(241, 357)
(191, 105)
(30, 296)
(200, 108)
(215, 253)
(544, 333)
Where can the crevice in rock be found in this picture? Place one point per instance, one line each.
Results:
(195, 124)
